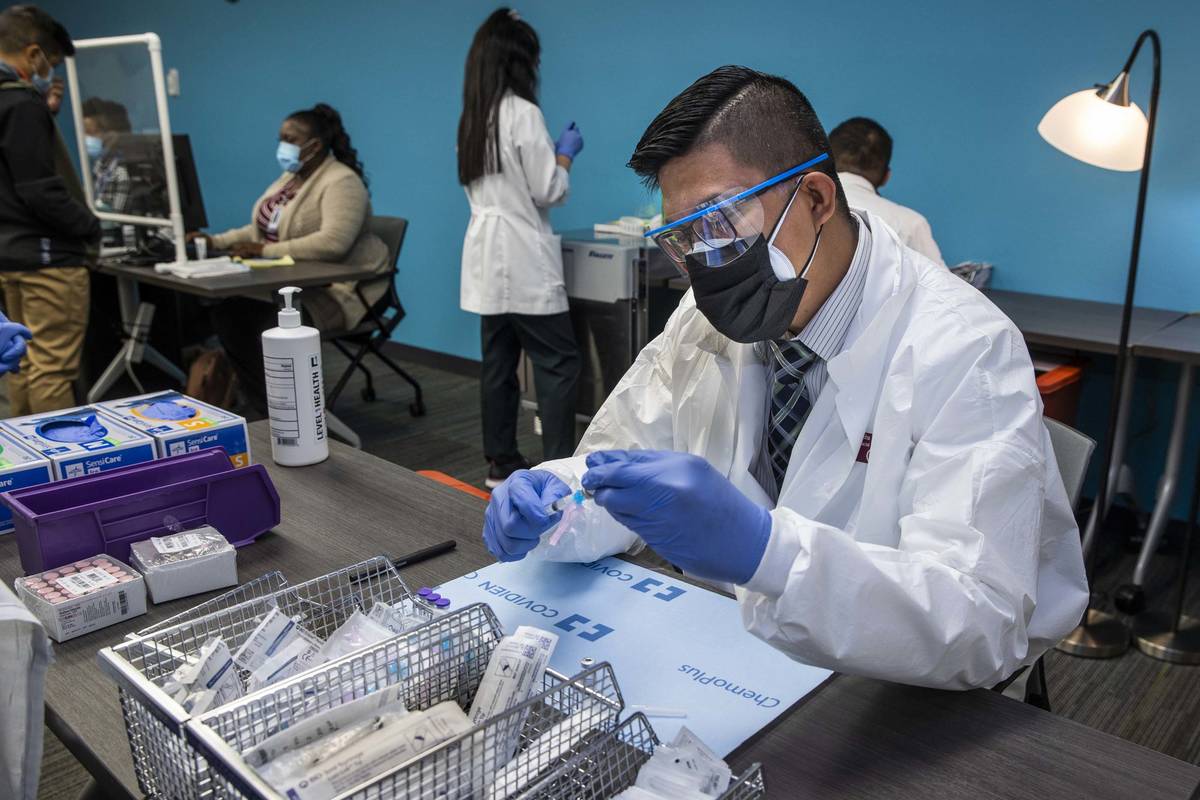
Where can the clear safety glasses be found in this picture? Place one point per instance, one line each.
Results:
(721, 229)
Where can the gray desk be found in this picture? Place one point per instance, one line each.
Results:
(1178, 342)
(1077, 324)
(854, 738)
(137, 316)
(255, 282)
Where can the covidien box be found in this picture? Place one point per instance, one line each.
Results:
(19, 467)
(180, 424)
(81, 441)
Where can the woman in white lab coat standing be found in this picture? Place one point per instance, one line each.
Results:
(512, 274)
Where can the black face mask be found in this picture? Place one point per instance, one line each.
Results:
(745, 300)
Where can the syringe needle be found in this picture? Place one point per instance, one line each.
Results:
(561, 504)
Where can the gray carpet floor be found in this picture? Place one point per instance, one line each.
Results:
(1148, 702)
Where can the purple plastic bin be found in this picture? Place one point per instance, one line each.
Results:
(58, 523)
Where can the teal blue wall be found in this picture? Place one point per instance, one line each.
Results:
(961, 84)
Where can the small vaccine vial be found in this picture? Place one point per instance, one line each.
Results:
(50, 576)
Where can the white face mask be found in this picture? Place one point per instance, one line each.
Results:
(781, 265)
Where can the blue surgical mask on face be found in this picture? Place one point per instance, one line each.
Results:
(43, 84)
(288, 156)
(94, 145)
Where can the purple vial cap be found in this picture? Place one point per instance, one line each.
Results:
(433, 597)
(424, 591)
(443, 602)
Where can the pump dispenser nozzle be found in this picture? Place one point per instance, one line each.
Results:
(289, 315)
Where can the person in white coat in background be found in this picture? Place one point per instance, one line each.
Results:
(862, 149)
(844, 431)
(512, 273)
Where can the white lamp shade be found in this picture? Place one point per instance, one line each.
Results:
(1097, 132)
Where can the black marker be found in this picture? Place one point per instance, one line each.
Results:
(424, 554)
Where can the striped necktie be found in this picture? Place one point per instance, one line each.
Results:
(789, 402)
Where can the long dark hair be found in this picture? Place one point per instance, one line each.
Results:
(503, 58)
(325, 123)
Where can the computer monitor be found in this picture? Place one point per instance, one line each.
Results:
(142, 156)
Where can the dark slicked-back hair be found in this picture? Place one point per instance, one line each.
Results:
(21, 26)
(763, 120)
(862, 146)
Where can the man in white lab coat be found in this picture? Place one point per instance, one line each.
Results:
(844, 431)
(863, 152)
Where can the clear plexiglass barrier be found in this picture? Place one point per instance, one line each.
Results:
(127, 156)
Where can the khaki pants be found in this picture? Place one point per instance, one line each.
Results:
(53, 303)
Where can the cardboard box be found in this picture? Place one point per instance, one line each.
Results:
(19, 467)
(81, 441)
(82, 597)
(181, 424)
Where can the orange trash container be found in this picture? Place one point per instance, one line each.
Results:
(1060, 385)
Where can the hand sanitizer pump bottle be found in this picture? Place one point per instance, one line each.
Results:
(295, 388)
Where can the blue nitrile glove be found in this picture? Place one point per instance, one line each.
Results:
(12, 344)
(685, 510)
(569, 143)
(516, 516)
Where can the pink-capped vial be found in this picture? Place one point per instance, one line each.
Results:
(99, 562)
(111, 568)
(67, 570)
(82, 564)
(49, 576)
(45, 590)
(52, 596)
(125, 579)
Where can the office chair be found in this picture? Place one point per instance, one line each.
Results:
(1072, 452)
(376, 327)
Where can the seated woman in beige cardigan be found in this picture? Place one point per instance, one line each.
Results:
(317, 210)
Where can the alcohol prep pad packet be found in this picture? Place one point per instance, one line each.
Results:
(185, 563)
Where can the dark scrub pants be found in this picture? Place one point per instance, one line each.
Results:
(549, 344)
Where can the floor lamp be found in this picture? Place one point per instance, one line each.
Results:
(1102, 127)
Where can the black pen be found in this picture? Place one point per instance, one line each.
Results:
(424, 554)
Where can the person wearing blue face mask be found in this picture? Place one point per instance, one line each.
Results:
(48, 234)
(104, 121)
(831, 426)
(317, 210)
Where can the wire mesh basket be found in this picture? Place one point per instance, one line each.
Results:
(609, 765)
(443, 660)
(260, 588)
(167, 766)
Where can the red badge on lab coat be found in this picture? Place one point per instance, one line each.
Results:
(864, 450)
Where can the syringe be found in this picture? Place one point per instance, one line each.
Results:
(561, 504)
